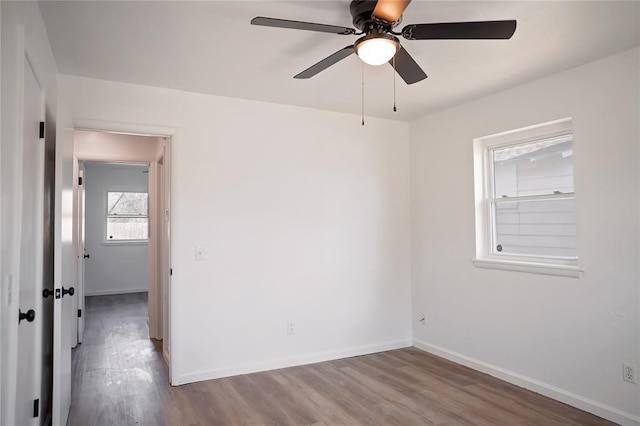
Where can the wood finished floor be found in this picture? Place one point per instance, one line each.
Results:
(121, 379)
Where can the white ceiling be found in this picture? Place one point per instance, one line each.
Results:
(210, 47)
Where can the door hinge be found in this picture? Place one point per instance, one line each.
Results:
(79, 313)
(42, 130)
(170, 271)
(79, 180)
(36, 408)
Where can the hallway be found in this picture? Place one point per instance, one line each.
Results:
(119, 377)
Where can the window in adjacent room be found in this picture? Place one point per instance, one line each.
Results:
(525, 207)
(127, 216)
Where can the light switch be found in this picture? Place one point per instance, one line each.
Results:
(7, 289)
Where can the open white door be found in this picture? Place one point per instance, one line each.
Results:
(155, 290)
(159, 296)
(163, 251)
(64, 277)
(29, 366)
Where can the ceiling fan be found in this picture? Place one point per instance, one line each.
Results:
(376, 21)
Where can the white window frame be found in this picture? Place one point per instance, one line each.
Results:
(106, 240)
(484, 199)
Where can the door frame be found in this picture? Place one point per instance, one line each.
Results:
(168, 134)
(79, 242)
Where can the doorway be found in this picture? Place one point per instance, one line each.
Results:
(116, 228)
(121, 232)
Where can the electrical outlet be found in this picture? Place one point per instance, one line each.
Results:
(629, 372)
(290, 328)
(199, 253)
(423, 319)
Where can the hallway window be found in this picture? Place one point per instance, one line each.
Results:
(127, 216)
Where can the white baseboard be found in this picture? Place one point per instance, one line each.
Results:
(116, 291)
(569, 398)
(292, 362)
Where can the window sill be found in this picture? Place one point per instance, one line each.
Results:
(569, 271)
(126, 243)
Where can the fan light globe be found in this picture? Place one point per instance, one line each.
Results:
(376, 50)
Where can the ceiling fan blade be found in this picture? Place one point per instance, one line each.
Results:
(390, 10)
(487, 30)
(326, 63)
(407, 67)
(298, 25)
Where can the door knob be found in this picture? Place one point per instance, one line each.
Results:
(68, 291)
(30, 315)
(86, 256)
(46, 293)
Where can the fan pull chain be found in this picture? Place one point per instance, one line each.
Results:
(394, 84)
(362, 92)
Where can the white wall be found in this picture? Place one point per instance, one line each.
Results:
(564, 337)
(112, 268)
(303, 216)
(19, 19)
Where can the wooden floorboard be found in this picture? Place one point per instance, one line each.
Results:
(120, 378)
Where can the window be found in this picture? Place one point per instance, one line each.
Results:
(127, 216)
(525, 209)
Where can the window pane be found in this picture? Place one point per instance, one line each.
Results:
(127, 203)
(535, 168)
(127, 228)
(536, 228)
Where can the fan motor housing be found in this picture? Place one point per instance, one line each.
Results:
(362, 13)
